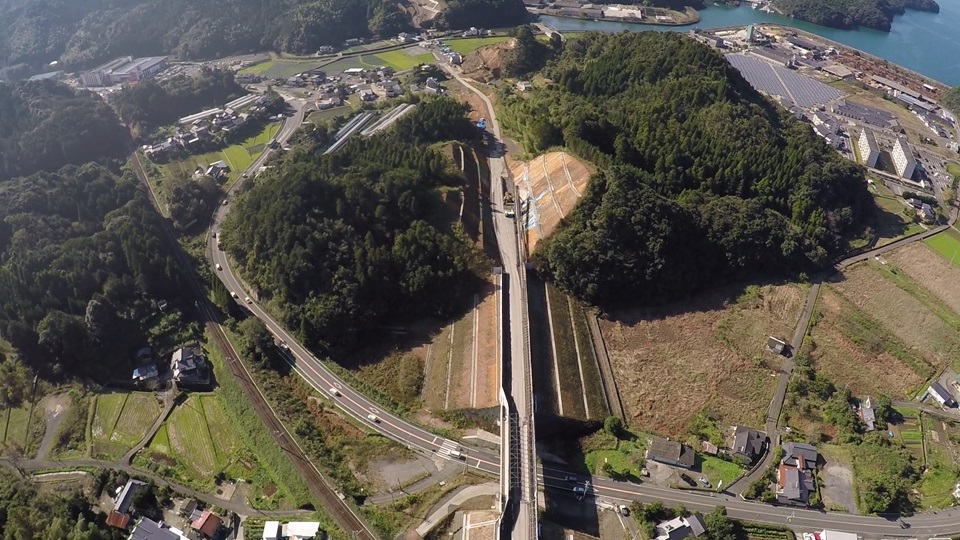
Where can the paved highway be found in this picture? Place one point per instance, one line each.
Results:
(943, 523)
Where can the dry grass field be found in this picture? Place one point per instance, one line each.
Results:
(925, 266)
(901, 308)
(836, 354)
(706, 354)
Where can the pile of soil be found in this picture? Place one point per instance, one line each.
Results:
(483, 64)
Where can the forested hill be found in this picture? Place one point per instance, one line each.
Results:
(360, 238)
(951, 100)
(45, 125)
(81, 33)
(700, 180)
(876, 14)
(81, 266)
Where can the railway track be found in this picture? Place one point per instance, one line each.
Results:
(338, 509)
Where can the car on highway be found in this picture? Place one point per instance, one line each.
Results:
(247, 300)
(219, 267)
(334, 392)
(224, 203)
(373, 418)
(510, 213)
(233, 294)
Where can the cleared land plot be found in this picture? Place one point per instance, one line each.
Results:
(906, 310)
(780, 81)
(318, 117)
(468, 45)
(909, 432)
(238, 157)
(405, 58)
(280, 69)
(852, 349)
(935, 272)
(836, 479)
(947, 244)
(120, 421)
(701, 355)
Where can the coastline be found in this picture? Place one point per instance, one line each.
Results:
(840, 46)
(625, 20)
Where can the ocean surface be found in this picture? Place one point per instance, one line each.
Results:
(928, 43)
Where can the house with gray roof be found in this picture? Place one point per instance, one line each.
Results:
(671, 453)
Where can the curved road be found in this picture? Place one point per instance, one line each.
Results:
(943, 523)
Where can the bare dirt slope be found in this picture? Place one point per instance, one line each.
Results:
(483, 64)
(553, 183)
(706, 354)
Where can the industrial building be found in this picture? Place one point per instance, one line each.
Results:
(869, 150)
(838, 70)
(895, 86)
(124, 70)
(903, 158)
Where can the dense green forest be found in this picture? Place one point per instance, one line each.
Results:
(82, 33)
(876, 14)
(45, 125)
(700, 180)
(26, 513)
(483, 13)
(950, 100)
(345, 242)
(81, 265)
(150, 104)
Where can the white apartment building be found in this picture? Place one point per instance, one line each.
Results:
(869, 150)
(903, 158)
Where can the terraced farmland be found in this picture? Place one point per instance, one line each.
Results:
(120, 421)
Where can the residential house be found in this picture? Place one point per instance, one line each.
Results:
(118, 520)
(432, 86)
(121, 504)
(524, 86)
(941, 395)
(392, 89)
(473, 31)
(794, 485)
(217, 169)
(927, 214)
(147, 529)
(329, 103)
(454, 58)
(207, 524)
(300, 530)
(386, 71)
(161, 148)
(800, 455)
(867, 414)
(747, 444)
(671, 453)
(145, 373)
(367, 95)
(246, 78)
(189, 367)
(682, 527)
(271, 530)
(187, 508)
(777, 346)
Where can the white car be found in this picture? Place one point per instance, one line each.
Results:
(373, 418)
(247, 300)
(233, 294)
(219, 267)
(334, 392)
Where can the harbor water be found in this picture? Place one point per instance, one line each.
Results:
(927, 43)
